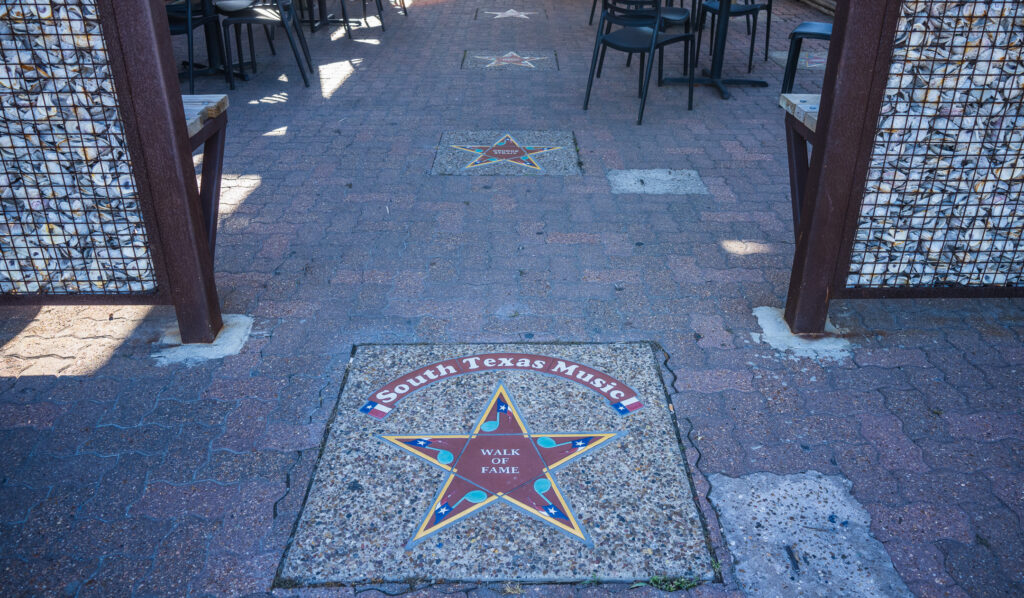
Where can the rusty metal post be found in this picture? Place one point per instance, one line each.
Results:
(136, 33)
(855, 76)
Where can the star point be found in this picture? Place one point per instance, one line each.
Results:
(510, 13)
(500, 461)
(511, 59)
(506, 149)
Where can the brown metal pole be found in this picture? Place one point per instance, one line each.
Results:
(858, 66)
(138, 40)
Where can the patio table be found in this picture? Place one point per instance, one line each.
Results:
(714, 76)
(326, 18)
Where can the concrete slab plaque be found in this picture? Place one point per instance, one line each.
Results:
(510, 60)
(523, 462)
(514, 153)
(661, 181)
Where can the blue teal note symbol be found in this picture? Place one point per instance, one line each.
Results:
(490, 426)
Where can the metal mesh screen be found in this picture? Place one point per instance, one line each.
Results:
(69, 216)
(942, 205)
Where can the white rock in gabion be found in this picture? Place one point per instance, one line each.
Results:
(942, 204)
(70, 221)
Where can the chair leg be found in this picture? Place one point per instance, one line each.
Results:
(629, 59)
(302, 43)
(661, 64)
(753, 37)
(308, 8)
(286, 23)
(646, 83)
(405, 11)
(701, 19)
(229, 68)
(593, 8)
(600, 64)
(640, 79)
(380, 15)
(269, 33)
(344, 19)
(691, 49)
(252, 47)
(768, 30)
(711, 34)
(792, 59)
(220, 46)
(593, 67)
(686, 56)
(191, 62)
(238, 47)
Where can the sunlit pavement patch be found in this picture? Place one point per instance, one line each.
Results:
(523, 462)
(510, 60)
(514, 153)
(802, 535)
(660, 181)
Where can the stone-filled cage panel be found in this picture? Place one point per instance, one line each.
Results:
(70, 220)
(942, 202)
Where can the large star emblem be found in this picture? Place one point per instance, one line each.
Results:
(511, 58)
(500, 461)
(506, 149)
(510, 13)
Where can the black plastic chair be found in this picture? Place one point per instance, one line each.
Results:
(267, 31)
(640, 31)
(671, 16)
(269, 13)
(184, 18)
(669, 13)
(749, 10)
(806, 30)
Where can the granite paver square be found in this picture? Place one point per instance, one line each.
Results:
(661, 181)
(523, 462)
(515, 153)
(510, 60)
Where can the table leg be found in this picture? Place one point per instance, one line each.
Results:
(211, 31)
(714, 76)
(796, 146)
(209, 191)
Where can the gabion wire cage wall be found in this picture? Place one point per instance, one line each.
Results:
(915, 184)
(942, 204)
(70, 221)
(98, 196)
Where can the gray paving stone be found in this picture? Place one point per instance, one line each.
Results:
(802, 534)
(661, 181)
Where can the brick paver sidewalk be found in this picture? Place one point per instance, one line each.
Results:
(123, 477)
